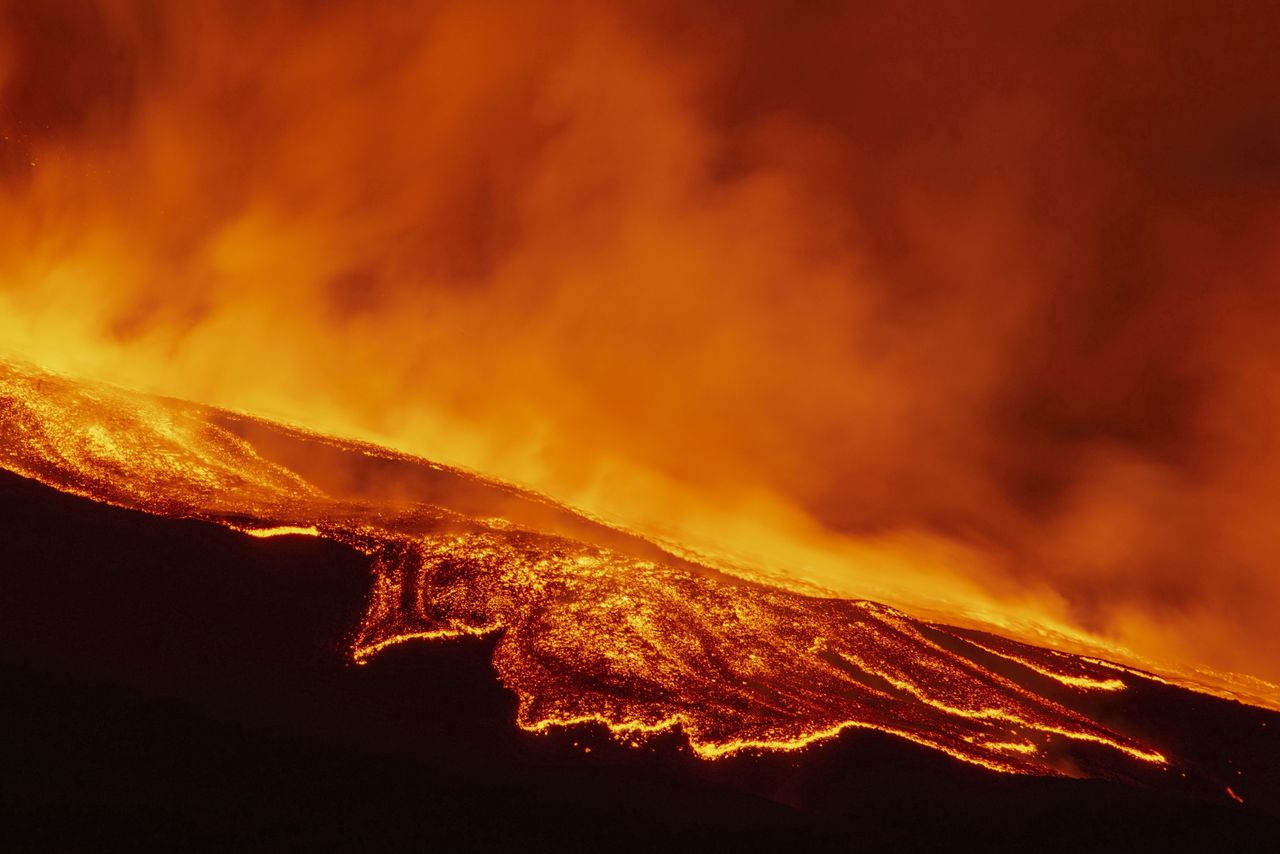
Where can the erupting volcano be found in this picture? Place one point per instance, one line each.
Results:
(533, 423)
(597, 624)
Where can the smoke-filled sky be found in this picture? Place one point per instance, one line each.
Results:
(947, 297)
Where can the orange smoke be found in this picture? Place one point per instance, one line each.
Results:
(965, 312)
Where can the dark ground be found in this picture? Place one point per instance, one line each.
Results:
(174, 685)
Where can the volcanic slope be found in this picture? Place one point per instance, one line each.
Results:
(594, 625)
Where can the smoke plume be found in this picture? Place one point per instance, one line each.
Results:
(970, 306)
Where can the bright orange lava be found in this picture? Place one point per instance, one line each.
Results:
(594, 625)
(283, 531)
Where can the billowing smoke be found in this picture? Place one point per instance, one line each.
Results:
(977, 303)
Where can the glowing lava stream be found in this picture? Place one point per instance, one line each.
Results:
(593, 626)
(281, 531)
(1085, 683)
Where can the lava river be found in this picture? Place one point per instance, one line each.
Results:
(595, 625)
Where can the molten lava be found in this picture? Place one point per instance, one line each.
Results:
(596, 625)
(966, 312)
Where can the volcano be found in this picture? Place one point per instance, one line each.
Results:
(264, 590)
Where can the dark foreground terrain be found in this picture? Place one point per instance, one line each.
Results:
(173, 684)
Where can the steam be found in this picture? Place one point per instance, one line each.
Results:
(970, 310)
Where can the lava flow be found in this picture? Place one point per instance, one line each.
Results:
(596, 625)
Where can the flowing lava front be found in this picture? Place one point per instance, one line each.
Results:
(596, 625)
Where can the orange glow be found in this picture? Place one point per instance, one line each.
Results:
(282, 531)
(857, 302)
(1012, 746)
(1085, 683)
(594, 624)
